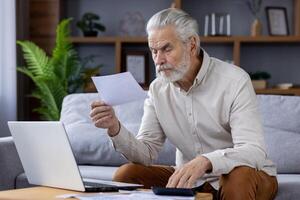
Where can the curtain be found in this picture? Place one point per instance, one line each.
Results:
(8, 82)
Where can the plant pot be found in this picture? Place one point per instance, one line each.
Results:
(256, 28)
(90, 33)
(259, 84)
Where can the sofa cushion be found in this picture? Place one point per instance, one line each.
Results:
(280, 117)
(22, 181)
(90, 144)
(288, 186)
(282, 149)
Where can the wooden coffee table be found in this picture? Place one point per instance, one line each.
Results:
(46, 193)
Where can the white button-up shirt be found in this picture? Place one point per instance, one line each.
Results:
(217, 118)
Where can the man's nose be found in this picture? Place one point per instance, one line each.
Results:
(160, 58)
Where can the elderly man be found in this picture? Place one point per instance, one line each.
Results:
(207, 108)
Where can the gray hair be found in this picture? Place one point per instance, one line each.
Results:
(185, 25)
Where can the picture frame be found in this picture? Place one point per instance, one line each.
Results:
(277, 21)
(136, 62)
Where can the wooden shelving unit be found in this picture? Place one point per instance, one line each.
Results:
(232, 39)
(297, 17)
(277, 91)
(236, 41)
(94, 40)
(44, 16)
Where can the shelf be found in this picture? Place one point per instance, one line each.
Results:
(92, 40)
(133, 39)
(277, 91)
(268, 39)
(248, 39)
(218, 39)
(236, 41)
(230, 39)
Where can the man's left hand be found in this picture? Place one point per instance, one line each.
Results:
(187, 175)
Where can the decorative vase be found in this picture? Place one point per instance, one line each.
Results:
(256, 28)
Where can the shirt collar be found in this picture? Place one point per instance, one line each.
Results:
(204, 67)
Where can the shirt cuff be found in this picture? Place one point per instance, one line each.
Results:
(218, 166)
(120, 140)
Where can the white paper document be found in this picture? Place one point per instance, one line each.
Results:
(132, 195)
(119, 88)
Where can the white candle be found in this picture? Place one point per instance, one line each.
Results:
(206, 25)
(221, 25)
(228, 24)
(213, 24)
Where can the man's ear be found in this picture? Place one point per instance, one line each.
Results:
(193, 42)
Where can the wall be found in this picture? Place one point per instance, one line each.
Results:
(241, 17)
(280, 60)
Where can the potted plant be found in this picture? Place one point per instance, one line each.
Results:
(259, 79)
(89, 26)
(81, 81)
(55, 76)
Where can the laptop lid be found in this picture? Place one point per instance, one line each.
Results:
(46, 154)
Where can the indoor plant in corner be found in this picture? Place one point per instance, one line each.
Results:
(54, 76)
(259, 79)
(89, 26)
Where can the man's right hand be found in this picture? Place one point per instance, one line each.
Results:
(104, 116)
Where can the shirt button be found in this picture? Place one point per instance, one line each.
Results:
(190, 114)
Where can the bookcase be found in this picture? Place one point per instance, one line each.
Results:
(237, 46)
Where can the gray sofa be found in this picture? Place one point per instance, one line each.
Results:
(97, 159)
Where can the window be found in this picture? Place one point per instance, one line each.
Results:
(7, 65)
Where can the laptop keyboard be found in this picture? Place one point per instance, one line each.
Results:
(93, 184)
(99, 187)
(104, 187)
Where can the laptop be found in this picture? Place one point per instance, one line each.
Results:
(48, 160)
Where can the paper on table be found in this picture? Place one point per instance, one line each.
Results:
(118, 88)
(134, 195)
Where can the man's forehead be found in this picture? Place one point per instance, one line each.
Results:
(158, 44)
(160, 37)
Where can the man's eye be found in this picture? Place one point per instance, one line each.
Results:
(168, 49)
(154, 51)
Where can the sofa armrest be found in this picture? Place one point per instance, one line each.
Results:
(10, 164)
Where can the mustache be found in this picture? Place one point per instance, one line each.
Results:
(164, 67)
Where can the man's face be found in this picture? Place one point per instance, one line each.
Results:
(170, 55)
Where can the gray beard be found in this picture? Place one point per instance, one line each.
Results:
(177, 73)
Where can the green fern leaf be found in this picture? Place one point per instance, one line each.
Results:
(65, 58)
(36, 59)
(52, 76)
(45, 95)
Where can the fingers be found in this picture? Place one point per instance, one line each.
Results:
(191, 182)
(104, 121)
(184, 177)
(183, 181)
(100, 109)
(102, 115)
(173, 180)
(97, 103)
